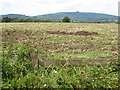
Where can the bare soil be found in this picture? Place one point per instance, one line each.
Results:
(84, 33)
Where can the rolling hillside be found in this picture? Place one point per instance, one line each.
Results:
(77, 16)
(74, 16)
(15, 15)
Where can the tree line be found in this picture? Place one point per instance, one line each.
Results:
(8, 19)
(65, 19)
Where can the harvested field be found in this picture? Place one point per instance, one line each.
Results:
(64, 40)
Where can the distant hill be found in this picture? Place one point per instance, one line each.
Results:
(78, 16)
(15, 15)
(74, 16)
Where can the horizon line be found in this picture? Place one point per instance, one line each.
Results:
(57, 12)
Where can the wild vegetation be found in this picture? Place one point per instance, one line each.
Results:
(59, 41)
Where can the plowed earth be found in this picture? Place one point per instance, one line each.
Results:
(84, 33)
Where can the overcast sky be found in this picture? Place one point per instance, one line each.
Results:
(39, 7)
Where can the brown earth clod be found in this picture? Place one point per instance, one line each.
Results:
(85, 33)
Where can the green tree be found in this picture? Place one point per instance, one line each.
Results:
(66, 19)
(6, 19)
(21, 20)
(29, 20)
(15, 19)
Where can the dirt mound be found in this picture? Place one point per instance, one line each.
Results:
(85, 33)
(56, 32)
